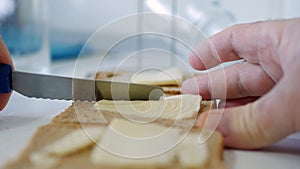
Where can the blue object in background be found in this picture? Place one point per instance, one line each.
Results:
(21, 40)
(66, 45)
(20, 29)
(62, 51)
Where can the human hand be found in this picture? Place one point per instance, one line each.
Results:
(4, 58)
(262, 93)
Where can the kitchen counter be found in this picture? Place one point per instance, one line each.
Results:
(21, 117)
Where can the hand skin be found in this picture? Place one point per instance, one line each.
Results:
(4, 58)
(262, 93)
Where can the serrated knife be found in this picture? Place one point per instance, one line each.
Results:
(67, 88)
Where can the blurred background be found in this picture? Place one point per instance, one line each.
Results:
(42, 34)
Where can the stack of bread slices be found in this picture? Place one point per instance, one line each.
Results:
(127, 134)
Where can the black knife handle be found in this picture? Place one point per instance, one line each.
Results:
(5, 78)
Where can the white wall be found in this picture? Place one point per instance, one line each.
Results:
(291, 8)
(89, 14)
(75, 17)
(253, 10)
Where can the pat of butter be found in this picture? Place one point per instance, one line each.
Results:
(172, 76)
(79, 139)
(43, 161)
(191, 153)
(74, 141)
(127, 143)
(172, 108)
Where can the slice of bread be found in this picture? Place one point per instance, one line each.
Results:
(169, 89)
(84, 112)
(186, 155)
(44, 152)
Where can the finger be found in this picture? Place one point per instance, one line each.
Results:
(239, 80)
(4, 100)
(211, 52)
(244, 41)
(258, 124)
(4, 58)
(237, 102)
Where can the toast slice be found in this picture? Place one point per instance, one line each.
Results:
(86, 112)
(170, 87)
(187, 154)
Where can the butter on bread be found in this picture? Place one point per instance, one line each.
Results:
(165, 152)
(170, 108)
(85, 154)
(135, 145)
(48, 147)
(170, 77)
(185, 155)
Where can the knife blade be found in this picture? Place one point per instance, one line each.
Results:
(67, 88)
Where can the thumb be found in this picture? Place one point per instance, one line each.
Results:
(240, 126)
(257, 124)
